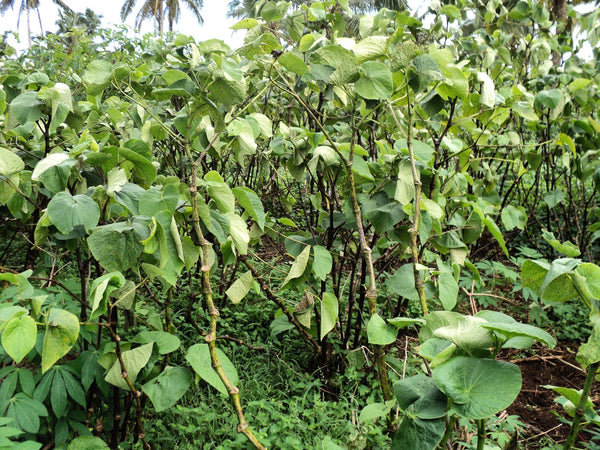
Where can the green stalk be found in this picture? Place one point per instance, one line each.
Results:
(480, 434)
(449, 429)
(414, 230)
(580, 411)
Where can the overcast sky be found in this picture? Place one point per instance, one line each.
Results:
(214, 11)
(215, 25)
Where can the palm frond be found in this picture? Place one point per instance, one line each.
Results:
(127, 8)
(195, 6)
(6, 4)
(63, 6)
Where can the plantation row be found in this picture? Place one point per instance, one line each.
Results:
(322, 195)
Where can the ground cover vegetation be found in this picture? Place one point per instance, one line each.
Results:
(330, 237)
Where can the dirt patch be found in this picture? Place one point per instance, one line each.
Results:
(535, 404)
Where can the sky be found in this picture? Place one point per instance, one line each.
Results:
(214, 12)
(215, 26)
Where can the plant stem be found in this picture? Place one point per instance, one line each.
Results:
(213, 312)
(580, 411)
(414, 230)
(449, 429)
(480, 434)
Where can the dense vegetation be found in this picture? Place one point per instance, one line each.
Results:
(307, 240)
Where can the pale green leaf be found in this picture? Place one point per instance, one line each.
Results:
(375, 82)
(68, 211)
(379, 332)
(448, 290)
(198, 356)
(322, 263)
(134, 360)
(240, 287)
(19, 336)
(298, 267)
(62, 330)
(10, 163)
(248, 199)
(238, 231)
(405, 185)
(167, 388)
(329, 313)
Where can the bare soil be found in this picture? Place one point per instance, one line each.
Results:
(535, 404)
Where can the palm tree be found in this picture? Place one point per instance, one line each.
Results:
(26, 6)
(158, 9)
(89, 21)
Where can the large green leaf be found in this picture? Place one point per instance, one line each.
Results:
(98, 72)
(478, 387)
(87, 443)
(167, 388)
(556, 285)
(488, 93)
(591, 273)
(26, 107)
(346, 67)
(515, 329)
(379, 332)
(238, 230)
(62, 330)
(402, 282)
(165, 342)
(375, 82)
(514, 217)
(370, 47)
(421, 397)
(467, 333)
(533, 273)
(165, 243)
(68, 211)
(155, 200)
(405, 185)
(116, 246)
(198, 356)
(589, 352)
(19, 336)
(54, 171)
(293, 63)
(548, 98)
(58, 395)
(73, 387)
(329, 313)
(418, 434)
(438, 319)
(134, 361)
(374, 411)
